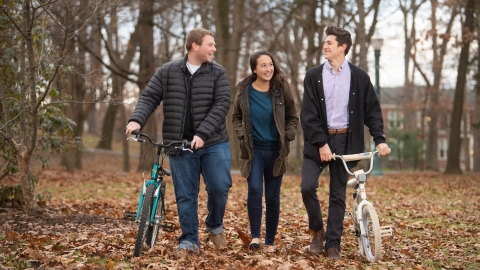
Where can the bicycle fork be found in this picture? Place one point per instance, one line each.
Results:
(160, 220)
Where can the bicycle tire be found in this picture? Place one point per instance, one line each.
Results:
(372, 242)
(356, 225)
(144, 220)
(152, 231)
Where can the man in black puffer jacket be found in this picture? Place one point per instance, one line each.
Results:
(196, 98)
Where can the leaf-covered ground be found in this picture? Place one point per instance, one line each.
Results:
(435, 220)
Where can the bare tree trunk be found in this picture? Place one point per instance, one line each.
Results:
(27, 105)
(97, 86)
(360, 36)
(311, 28)
(476, 127)
(437, 67)
(117, 86)
(147, 69)
(126, 154)
(109, 120)
(228, 38)
(410, 38)
(79, 93)
(118, 82)
(466, 145)
(453, 163)
(476, 114)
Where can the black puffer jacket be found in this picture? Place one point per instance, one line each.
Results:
(210, 101)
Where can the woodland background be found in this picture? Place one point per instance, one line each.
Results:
(71, 70)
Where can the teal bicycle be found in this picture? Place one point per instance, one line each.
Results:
(151, 215)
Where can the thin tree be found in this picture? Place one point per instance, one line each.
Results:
(476, 114)
(31, 107)
(432, 96)
(229, 26)
(453, 163)
(410, 9)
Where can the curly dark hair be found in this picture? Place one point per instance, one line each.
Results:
(342, 36)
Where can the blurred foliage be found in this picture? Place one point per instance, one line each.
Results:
(44, 119)
(407, 149)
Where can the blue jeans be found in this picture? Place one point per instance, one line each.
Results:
(213, 162)
(262, 169)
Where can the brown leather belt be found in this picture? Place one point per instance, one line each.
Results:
(337, 131)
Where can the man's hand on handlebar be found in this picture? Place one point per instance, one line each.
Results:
(131, 126)
(383, 149)
(196, 143)
(325, 153)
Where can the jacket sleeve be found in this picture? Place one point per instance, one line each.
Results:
(291, 117)
(310, 118)
(219, 109)
(373, 113)
(149, 100)
(237, 115)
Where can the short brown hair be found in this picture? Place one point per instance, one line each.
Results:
(196, 35)
(342, 36)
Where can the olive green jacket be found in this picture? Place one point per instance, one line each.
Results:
(286, 120)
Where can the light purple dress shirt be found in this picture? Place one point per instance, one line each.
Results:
(336, 88)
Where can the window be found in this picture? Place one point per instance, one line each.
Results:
(442, 149)
(395, 119)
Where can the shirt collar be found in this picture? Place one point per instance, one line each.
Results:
(329, 67)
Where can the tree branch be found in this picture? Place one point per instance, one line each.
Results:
(415, 63)
(13, 22)
(114, 70)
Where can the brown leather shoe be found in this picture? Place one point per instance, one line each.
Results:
(316, 246)
(219, 240)
(333, 253)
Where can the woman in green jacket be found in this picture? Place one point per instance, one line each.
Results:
(265, 121)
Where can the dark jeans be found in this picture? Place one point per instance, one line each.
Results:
(311, 171)
(262, 171)
(213, 162)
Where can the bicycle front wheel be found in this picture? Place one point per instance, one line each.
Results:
(152, 231)
(144, 220)
(372, 241)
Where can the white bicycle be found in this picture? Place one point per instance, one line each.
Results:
(365, 218)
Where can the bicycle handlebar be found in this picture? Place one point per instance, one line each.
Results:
(183, 145)
(355, 157)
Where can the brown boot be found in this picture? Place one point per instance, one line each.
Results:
(316, 246)
(219, 240)
(333, 253)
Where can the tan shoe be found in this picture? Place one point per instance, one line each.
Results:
(333, 253)
(316, 246)
(219, 240)
(255, 243)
